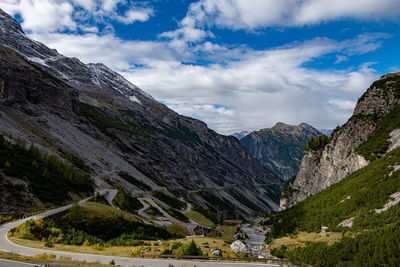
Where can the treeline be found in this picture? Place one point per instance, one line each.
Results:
(50, 179)
(317, 142)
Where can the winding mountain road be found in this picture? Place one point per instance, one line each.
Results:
(7, 246)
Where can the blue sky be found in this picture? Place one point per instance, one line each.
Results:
(236, 64)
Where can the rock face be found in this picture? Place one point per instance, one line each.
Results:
(281, 147)
(66, 107)
(323, 167)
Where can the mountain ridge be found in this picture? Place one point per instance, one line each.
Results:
(280, 147)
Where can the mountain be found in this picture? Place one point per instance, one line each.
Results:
(92, 117)
(367, 135)
(361, 213)
(281, 147)
(241, 134)
(326, 132)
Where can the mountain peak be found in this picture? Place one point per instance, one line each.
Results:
(8, 23)
(301, 129)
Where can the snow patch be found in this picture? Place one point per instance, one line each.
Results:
(37, 60)
(134, 99)
(394, 140)
(395, 199)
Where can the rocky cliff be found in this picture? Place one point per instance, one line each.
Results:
(350, 146)
(88, 112)
(281, 147)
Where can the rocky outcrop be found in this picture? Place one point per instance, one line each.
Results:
(323, 167)
(281, 147)
(90, 114)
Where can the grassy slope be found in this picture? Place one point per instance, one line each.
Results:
(369, 188)
(200, 218)
(374, 238)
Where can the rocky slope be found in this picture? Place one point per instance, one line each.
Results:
(351, 146)
(97, 116)
(281, 147)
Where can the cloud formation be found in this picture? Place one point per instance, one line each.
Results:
(250, 15)
(237, 87)
(65, 15)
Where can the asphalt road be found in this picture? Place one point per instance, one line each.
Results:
(8, 263)
(7, 246)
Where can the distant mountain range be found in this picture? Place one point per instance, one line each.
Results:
(281, 147)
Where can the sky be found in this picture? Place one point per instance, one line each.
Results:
(235, 64)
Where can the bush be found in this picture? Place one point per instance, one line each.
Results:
(190, 249)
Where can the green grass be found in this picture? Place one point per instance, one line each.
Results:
(377, 144)
(134, 181)
(106, 211)
(199, 218)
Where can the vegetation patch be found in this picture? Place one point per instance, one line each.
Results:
(79, 227)
(134, 181)
(50, 179)
(125, 201)
(317, 143)
(377, 144)
(199, 218)
(169, 200)
(358, 195)
(177, 215)
(104, 121)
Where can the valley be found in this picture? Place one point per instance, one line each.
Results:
(94, 171)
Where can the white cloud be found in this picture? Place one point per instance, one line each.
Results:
(108, 49)
(249, 89)
(346, 105)
(134, 14)
(242, 88)
(340, 58)
(245, 14)
(43, 16)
